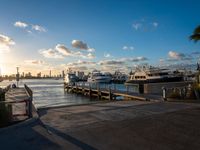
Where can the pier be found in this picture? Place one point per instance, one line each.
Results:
(109, 93)
(17, 104)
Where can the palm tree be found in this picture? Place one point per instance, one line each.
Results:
(196, 34)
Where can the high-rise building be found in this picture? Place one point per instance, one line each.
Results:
(63, 73)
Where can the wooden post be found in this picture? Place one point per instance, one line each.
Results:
(90, 91)
(164, 93)
(110, 93)
(99, 93)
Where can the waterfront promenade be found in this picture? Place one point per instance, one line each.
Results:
(125, 125)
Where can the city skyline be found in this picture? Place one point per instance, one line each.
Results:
(39, 36)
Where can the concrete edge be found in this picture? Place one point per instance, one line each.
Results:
(23, 123)
(91, 103)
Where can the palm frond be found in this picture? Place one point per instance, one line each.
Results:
(197, 30)
(195, 37)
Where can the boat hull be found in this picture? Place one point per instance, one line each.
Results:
(172, 79)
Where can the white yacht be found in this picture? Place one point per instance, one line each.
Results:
(70, 78)
(98, 77)
(149, 74)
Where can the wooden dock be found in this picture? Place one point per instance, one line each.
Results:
(18, 101)
(109, 94)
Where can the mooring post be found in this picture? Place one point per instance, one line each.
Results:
(99, 92)
(76, 87)
(90, 90)
(164, 93)
(110, 93)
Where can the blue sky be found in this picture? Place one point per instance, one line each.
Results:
(107, 34)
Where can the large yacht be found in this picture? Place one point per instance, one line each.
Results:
(149, 74)
(98, 77)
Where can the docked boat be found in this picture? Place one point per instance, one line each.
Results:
(98, 77)
(70, 78)
(149, 74)
(119, 77)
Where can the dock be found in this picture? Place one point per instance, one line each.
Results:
(110, 93)
(18, 103)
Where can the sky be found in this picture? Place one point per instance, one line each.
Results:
(108, 35)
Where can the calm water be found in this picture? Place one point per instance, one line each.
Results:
(50, 92)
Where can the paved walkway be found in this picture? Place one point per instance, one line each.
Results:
(126, 125)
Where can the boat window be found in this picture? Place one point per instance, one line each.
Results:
(163, 73)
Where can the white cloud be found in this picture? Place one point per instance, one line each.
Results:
(63, 50)
(81, 62)
(38, 28)
(90, 56)
(136, 26)
(34, 62)
(29, 31)
(128, 48)
(91, 50)
(144, 25)
(124, 47)
(29, 28)
(20, 24)
(6, 40)
(50, 53)
(155, 24)
(5, 43)
(175, 55)
(81, 45)
(136, 59)
(107, 55)
(111, 62)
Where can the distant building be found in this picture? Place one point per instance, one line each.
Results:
(28, 75)
(39, 75)
(63, 73)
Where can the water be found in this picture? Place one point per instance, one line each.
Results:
(50, 92)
